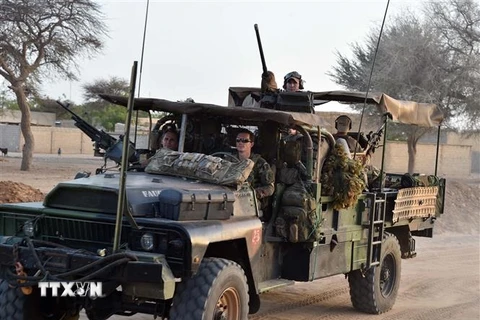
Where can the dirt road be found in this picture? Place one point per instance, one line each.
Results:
(442, 282)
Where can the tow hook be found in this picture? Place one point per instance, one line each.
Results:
(20, 272)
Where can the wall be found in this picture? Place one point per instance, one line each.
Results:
(472, 140)
(10, 137)
(70, 140)
(36, 118)
(454, 160)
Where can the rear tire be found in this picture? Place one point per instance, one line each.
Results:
(375, 291)
(218, 291)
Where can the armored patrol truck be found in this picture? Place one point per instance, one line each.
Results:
(194, 241)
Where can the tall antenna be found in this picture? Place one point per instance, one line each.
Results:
(141, 69)
(365, 101)
(371, 73)
(143, 47)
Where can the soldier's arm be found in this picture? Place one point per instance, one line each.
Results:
(266, 179)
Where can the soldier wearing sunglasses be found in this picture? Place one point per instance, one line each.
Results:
(261, 178)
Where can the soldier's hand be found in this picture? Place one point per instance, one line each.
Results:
(268, 82)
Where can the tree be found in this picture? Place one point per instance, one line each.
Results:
(99, 111)
(414, 62)
(458, 24)
(43, 38)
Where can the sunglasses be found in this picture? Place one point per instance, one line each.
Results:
(243, 140)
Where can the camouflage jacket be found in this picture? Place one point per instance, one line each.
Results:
(261, 178)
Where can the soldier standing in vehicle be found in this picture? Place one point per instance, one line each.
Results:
(292, 82)
(261, 178)
(343, 124)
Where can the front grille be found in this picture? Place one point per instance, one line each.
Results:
(60, 229)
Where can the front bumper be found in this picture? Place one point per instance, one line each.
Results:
(140, 274)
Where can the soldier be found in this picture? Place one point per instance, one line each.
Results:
(261, 178)
(343, 124)
(170, 139)
(292, 82)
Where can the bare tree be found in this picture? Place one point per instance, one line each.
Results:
(43, 38)
(414, 62)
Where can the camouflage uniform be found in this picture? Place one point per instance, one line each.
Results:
(261, 178)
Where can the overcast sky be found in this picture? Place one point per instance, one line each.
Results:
(199, 49)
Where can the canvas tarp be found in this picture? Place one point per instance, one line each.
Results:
(203, 109)
(408, 112)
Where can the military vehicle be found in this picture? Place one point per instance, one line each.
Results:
(194, 242)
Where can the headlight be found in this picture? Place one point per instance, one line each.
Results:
(147, 242)
(29, 228)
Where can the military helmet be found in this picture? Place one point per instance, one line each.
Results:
(293, 75)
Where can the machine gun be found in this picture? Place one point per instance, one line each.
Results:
(373, 139)
(111, 146)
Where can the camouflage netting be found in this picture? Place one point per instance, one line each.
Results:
(12, 192)
(200, 166)
(342, 178)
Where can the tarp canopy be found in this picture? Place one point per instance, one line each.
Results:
(203, 109)
(408, 112)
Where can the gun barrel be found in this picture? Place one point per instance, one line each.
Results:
(102, 139)
(66, 108)
(260, 48)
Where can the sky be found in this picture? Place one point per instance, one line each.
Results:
(199, 49)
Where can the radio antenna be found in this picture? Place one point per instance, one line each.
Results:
(141, 70)
(143, 47)
(367, 91)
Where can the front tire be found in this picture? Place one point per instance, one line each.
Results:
(375, 291)
(218, 291)
(14, 305)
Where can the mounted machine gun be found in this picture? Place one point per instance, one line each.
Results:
(103, 141)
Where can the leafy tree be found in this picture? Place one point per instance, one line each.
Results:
(458, 25)
(99, 111)
(112, 85)
(43, 38)
(415, 62)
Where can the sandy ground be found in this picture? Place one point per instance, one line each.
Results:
(442, 282)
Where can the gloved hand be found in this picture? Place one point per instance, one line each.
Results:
(268, 82)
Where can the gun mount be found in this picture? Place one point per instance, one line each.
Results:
(112, 148)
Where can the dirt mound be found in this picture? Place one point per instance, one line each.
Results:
(462, 208)
(11, 192)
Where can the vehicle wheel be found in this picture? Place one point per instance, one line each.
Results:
(376, 291)
(14, 305)
(218, 291)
